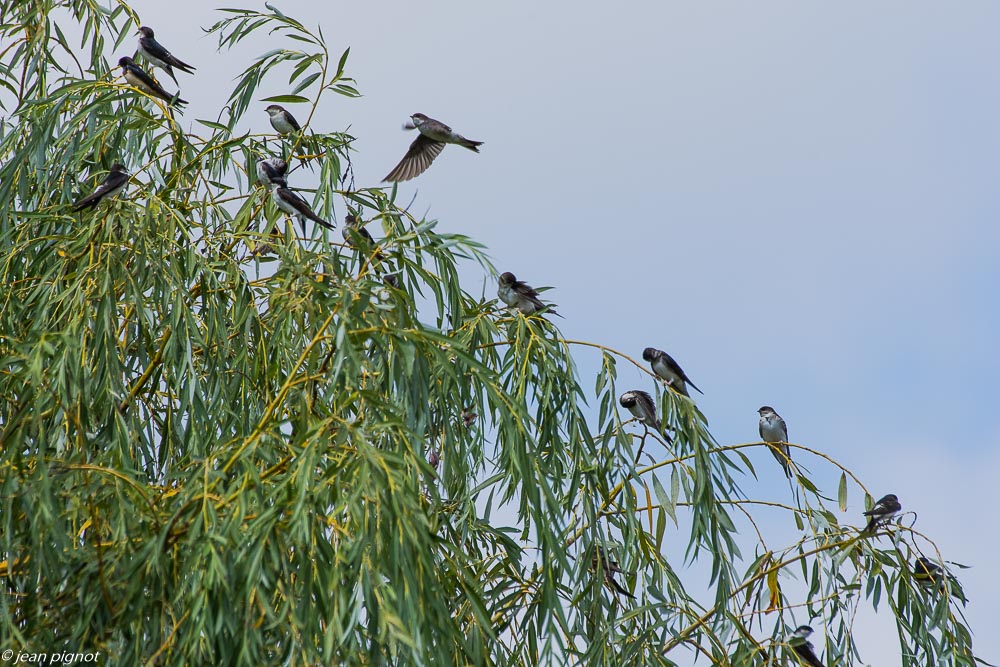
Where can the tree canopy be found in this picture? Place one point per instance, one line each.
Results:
(226, 441)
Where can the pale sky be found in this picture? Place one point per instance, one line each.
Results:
(797, 200)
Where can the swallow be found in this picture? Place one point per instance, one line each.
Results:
(282, 121)
(926, 571)
(805, 651)
(517, 294)
(137, 78)
(353, 231)
(882, 512)
(294, 205)
(601, 561)
(668, 370)
(272, 171)
(434, 136)
(774, 432)
(642, 407)
(158, 56)
(114, 182)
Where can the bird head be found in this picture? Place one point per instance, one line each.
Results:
(125, 61)
(765, 410)
(144, 31)
(628, 399)
(650, 353)
(274, 109)
(802, 631)
(507, 278)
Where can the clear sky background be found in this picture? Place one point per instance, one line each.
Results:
(797, 200)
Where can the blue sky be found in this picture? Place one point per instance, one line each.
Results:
(796, 200)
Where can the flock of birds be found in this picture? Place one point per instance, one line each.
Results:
(433, 137)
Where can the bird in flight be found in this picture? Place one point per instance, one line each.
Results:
(434, 136)
(519, 295)
(774, 432)
(882, 512)
(136, 77)
(668, 370)
(114, 182)
(158, 56)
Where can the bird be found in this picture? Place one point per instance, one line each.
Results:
(882, 512)
(805, 650)
(519, 295)
(642, 407)
(271, 171)
(293, 204)
(114, 182)
(353, 231)
(774, 432)
(434, 136)
(158, 56)
(282, 121)
(668, 370)
(610, 568)
(926, 571)
(138, 78)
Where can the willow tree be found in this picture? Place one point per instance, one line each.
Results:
(220, 437)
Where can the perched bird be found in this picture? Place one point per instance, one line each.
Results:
(926, 571)
(292, 204)
(517, 294)
(282, 121)
(138, 78)
(114, 182)
(668, 370)
(271, 171)
(601, 561)
(434, 135)
(774, 432)
(642, 407)
(882, 512)
(359, 238)
(805, 650)
(158, 56)
(469, 417)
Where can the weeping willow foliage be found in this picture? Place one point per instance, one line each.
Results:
(215, 454)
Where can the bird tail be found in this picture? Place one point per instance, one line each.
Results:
(471, 145)
(784, 458)
(618, 588)
(320, 221)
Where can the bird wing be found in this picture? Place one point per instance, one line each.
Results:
(418, 158)
(676, 368)
(649, 407)
(158, 51)
(301, 206)
(113, 181)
